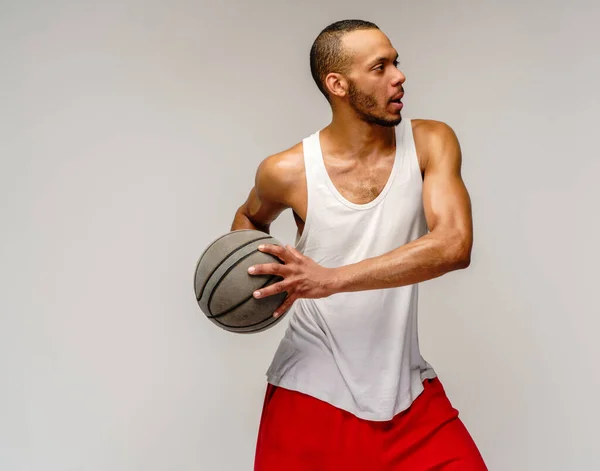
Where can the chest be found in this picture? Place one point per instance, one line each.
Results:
(360, 182)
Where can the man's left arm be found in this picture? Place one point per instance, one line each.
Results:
(447, 245)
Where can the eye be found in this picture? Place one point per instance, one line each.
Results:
(396, 63)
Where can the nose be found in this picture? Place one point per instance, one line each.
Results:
(399, 78)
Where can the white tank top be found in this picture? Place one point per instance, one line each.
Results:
(358, 351)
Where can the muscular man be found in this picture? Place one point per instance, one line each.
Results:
(380, 206)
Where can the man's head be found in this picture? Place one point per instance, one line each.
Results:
(354, 65)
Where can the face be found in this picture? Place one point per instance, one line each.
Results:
(374, 81)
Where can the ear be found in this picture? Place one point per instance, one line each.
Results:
(336, 84)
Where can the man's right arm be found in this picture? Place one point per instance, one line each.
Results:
(267, 199)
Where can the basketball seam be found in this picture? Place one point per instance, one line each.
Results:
(215, 316)
(231, 327)
(214, 290)
(201, 291)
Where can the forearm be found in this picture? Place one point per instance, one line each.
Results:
(423, 259)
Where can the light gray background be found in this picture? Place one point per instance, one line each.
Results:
(130, 132)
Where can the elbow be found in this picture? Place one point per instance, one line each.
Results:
(463, 262)
(459, 252)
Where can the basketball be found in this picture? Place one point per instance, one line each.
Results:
(224, 287)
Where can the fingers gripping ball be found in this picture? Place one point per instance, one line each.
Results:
(224, 287)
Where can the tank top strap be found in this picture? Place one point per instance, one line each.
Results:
(314, 182)
(405, 139)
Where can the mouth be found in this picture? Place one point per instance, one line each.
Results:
(397, 98)
(396, 102)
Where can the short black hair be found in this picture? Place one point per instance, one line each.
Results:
(327, 54)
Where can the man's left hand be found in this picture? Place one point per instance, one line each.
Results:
(302, 276)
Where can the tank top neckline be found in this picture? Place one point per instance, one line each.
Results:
(361, 206)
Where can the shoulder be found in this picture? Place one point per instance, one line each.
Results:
(429, 132)
(279, 175)
(435, 140)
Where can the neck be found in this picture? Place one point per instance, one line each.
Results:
(355, 138)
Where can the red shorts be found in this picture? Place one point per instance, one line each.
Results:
(301, 433)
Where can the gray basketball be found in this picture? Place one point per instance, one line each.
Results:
(224, 287)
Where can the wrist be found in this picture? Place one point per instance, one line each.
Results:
(337, 281)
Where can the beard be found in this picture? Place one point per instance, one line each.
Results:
(365, 106)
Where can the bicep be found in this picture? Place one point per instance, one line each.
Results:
(265, 201)
(446, 201)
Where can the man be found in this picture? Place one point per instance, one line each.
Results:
(380, 206)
